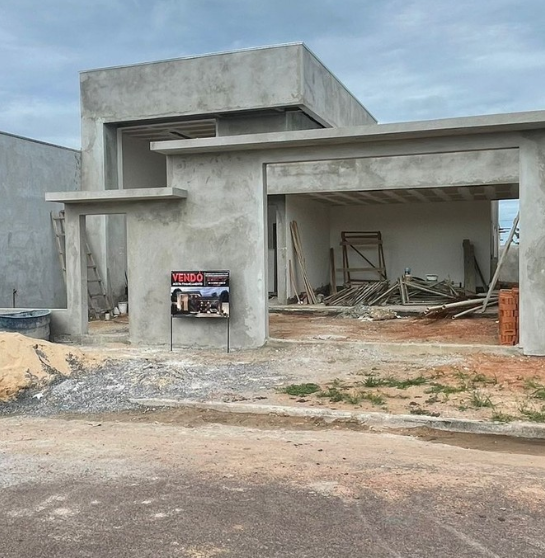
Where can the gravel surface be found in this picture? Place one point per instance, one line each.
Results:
(110, 387)
(132, 373)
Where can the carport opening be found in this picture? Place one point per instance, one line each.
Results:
(438, 245)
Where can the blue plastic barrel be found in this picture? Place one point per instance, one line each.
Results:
(32, 323)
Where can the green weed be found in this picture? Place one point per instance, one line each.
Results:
(300, 390)
(445, 388)
(478, 400)
(373, 381)
(333, 394)
(533, 415)
(502, 417)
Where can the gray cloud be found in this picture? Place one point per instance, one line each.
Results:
(404, 59)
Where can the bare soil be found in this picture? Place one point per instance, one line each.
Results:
(475, 330)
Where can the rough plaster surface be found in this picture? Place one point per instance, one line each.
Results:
(29, 260)
(221, 225)
(411, 171)
(532, 244)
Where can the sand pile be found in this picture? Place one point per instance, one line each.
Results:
(26, 362)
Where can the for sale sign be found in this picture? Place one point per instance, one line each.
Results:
(199, 294)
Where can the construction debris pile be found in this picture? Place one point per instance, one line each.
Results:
(442, 297)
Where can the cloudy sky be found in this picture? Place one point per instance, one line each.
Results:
(404, 59)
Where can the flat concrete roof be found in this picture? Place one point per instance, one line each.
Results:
(110, 196)
(494, 123)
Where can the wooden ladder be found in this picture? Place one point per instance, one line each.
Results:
(96, 291)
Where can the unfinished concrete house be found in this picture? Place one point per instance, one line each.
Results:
(205, 163)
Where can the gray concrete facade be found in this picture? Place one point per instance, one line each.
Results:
(285, 126)
(29, 260)
(279, 89)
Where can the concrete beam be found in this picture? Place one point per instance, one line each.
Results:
(451, 127)
(498, 166)
(111, 196)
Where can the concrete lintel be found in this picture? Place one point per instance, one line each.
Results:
(109, 196)
(496, 123)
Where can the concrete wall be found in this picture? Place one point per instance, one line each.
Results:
(225, 84)
(327, 98)
(142, 168)
(29, 260)
(313, 221)
(221, 226)
(427, 237)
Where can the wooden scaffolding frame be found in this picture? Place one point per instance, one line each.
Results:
(358, 242)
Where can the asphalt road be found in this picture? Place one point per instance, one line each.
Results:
(86, 488)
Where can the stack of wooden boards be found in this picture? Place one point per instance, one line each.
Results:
(298, 248)
(406, 290)
(445, 299)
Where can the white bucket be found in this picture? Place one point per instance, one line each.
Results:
(122, 307)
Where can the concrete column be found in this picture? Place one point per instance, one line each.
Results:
(532, 244)
(76, 271)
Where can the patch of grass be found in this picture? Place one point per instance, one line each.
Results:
(407, 383)
(300, 390)
(537, 387)
(533, 415)
(479, 400)
(374, 398)
(333, 394)
(502, 417)
(445, 388)
(373, 381)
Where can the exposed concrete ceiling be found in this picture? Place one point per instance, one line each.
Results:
(190, 129)
(419, 195)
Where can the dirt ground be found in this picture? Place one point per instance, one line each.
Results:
(486, 387)
(325, 371)
(98, 487)
(472, 331)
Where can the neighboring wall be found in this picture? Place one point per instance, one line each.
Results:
(427, 237)
(313, 221)
(29, 261)
(509, 272)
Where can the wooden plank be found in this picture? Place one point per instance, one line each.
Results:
(470, 276)
(332, 269)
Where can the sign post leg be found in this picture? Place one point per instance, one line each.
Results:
(228, 332)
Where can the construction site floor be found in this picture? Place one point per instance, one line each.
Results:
(476, 330)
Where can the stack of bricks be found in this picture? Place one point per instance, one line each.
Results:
(509, 316)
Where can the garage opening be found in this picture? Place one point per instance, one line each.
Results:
(381, 254)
